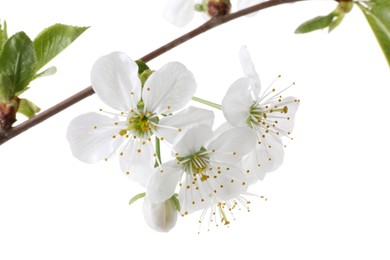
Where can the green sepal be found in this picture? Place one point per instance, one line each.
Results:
(53, 40)
(377, 14)
(141, 66)
(3, 34)
(28, 108)
(18, 61)
(145, 75)
(175, 201)
(317, 23)
(6, 89)
(336, 22)
(48, 72)
(137, 197)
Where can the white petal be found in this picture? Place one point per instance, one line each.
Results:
(162, 184)
(137, 161)
(170, 126)
(168, 89)
(194, 195)
(232, 145)
(284, 122)
(161, 217)
(267, 156)
(250, 70)
(220, 130)
(115, 80)
(179, 12)
(192, 140)
(238, 101)
(93, 137)
(226, 181)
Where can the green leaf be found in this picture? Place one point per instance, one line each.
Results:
(6, 89)
(377, 13)
(316, 23)
(28, 108)
(175, 202)
(137, 197)
(3, 34)
(18, 61)
(48, 72)
(54, 39)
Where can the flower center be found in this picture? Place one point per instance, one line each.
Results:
(258, 113)
(140, 125)
(196, 164)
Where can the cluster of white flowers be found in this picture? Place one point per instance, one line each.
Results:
(209, 169)
(181, 12)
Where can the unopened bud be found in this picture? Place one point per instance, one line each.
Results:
(161, 217)
(8, 113)
(345, 6)
(217, 8)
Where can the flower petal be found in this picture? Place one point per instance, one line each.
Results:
(137, 161)
(227, 181)
(220, 130)
(194, 195)
(232, 145)
(162, 183)
(267, 156)
(161, 217)
(115, 80)
(170, 126)
(284, 122)
(179, 12)
(192, 140)
(237, 102)
(168, 89)
(93, 137)
(250, 71)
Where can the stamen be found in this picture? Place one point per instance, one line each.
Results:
(265, 93)
(277, 94)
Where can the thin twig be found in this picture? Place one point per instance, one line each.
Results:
(212, 23)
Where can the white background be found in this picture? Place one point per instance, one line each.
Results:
(329, 200)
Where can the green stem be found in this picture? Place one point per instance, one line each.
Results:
(206, 102)
(158, 153)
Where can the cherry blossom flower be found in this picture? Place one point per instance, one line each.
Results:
(204, 167)
(179, 12)
(267, 113)
(142, 114)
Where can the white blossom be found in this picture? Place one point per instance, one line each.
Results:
(179, 12)
(204, 167)
(94, 137)
(267, 113)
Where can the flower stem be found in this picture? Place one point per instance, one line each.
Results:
(212, 23)
(158, 153)
(209, 103)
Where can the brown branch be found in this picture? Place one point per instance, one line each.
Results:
(212, 23)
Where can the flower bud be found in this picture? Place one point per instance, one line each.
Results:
(217, 8)
(345, 6)
(161, 217)
(8, 113)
